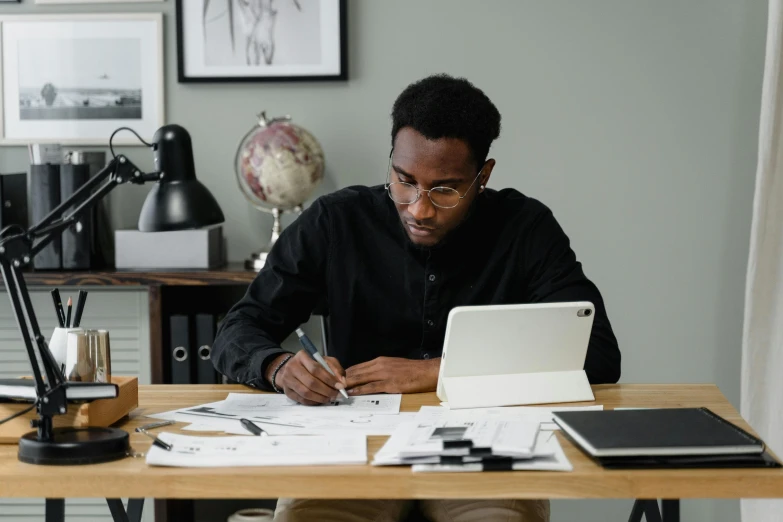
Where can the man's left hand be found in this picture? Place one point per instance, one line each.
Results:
(392, 375)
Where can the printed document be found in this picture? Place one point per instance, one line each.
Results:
(542, 414)
(368, 424)
(552, 459)
(205, 452)
(373, 415)
(243, 404)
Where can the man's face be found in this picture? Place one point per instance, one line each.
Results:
(425, 164)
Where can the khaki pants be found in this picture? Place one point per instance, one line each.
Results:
(301, 510)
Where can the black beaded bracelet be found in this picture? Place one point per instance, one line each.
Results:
(277, 369)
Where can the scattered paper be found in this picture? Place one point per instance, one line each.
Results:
(501, 437)
(215, 417)
(202, 452)
(242, 404)
(541, 414)
(549, 456)
(368, 424)
(439, 432)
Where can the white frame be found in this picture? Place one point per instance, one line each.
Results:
(120, 139)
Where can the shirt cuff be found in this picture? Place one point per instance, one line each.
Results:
(260, 363)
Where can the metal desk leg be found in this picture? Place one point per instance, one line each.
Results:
(637, 511)
(55, 510)
(670, 510)
(118, 513)
(135, 506)
(647, 509)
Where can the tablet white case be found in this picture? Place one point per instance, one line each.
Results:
(503, 355)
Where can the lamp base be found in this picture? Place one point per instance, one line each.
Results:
(257, 260)
(74, 446)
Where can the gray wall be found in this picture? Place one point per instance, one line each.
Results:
(636, 122)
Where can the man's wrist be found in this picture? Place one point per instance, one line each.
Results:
(272, 366)
(434, 369)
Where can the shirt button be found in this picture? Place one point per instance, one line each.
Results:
(430, 323)
(425, 356)
(432, 277)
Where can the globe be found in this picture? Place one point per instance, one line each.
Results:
(278, 166)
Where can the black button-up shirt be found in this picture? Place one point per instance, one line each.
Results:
(348, 255)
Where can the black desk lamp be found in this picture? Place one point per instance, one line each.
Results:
(178, 201)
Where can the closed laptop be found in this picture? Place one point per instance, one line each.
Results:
(656, 432)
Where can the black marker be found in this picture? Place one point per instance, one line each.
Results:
(252, 427)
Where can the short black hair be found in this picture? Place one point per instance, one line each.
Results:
(441, 106)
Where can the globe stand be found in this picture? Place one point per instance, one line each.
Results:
(257, 260)
(297, 165)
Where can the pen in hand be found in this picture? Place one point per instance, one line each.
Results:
(313, 351)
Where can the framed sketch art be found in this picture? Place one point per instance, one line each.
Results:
(74, 79)
(261, 40)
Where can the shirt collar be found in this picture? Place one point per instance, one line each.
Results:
(456, 241)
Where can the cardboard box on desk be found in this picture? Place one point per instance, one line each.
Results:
(198, 248)
(102, 412)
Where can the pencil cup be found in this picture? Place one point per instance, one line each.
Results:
(88, 356)
(58, 343)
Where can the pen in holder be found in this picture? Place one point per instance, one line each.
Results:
(88, 356)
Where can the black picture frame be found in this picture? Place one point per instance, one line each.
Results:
(182, 77)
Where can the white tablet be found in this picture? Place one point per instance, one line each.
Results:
(518, 339)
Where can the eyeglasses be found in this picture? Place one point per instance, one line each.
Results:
(442, 197)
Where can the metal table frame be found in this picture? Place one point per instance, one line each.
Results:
(55, 509)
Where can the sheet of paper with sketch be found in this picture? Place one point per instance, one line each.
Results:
(243, 404)
(232, 451)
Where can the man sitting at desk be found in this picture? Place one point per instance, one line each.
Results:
(390, 262)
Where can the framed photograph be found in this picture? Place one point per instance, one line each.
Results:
(74, 79)
(261, 40)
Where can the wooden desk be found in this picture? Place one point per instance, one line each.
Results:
(133, 478)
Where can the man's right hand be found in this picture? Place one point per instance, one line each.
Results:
(305, 381)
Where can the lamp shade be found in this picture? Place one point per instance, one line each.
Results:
(178, 201)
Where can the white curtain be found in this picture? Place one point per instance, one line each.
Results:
(762, 340)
